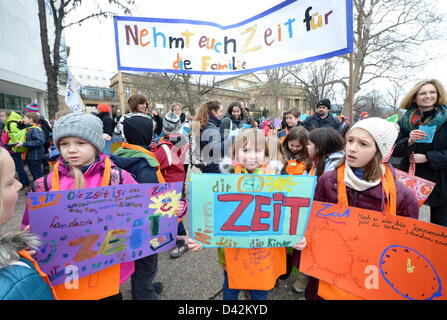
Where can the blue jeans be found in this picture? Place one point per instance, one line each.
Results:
(233, 294)
(35, 166)
(142, 287)
(20, 168)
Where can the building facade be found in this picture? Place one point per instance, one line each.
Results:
(22, 72)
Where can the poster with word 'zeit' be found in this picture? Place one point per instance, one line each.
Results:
(250, 211)
(86, 230)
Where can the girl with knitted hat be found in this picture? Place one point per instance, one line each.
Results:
(79, 138)
(362, 180)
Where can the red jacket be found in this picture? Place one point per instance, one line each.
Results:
(171, 158)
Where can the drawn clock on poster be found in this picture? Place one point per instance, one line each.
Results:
(417, 271)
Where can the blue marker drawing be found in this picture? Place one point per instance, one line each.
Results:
(386, 254)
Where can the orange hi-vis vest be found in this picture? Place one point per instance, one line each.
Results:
(126, 145)
(295, 167)
(326, 290)
(102, 284)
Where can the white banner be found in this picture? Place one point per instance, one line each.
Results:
(290, 33)
(72, 97)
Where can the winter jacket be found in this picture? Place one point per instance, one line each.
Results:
(34, 142)
(283, 133)
(171, 156)
(212, 146)
(93, 178)
(15, 130)
(19, 279)
(139, 168)
(229, 123)
(435, 169)
(314, 122)
(108, 123)
(370, 199)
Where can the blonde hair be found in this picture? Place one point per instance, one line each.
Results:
(61, 113)
(410, 97)
(271, 144)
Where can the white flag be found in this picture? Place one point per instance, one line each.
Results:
(72, 97)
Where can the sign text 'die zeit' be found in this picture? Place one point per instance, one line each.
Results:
(250, 211)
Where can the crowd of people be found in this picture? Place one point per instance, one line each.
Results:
(346, 158)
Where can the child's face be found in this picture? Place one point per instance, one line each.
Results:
(250, 157)
(77, 152)
(360, 148)
(294, 146)
(291, 120)
(9, 187)
(218, 114)
(27, 120)
(236, 113)
(311, 149)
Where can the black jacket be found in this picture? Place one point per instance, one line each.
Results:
(139, 168)
(314, 122)
(108, 123)
(435, 169)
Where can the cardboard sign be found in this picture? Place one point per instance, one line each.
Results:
(292, 32)
(375, 256)
(94, 228)
(250, 211)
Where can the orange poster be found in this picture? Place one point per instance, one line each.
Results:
(375, 256)
(254, 269)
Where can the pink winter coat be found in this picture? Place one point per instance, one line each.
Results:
(93, 178)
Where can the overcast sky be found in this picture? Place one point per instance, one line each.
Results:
(93, 44)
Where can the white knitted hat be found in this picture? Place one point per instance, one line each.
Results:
(383, 132)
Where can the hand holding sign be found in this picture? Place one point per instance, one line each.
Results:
(429, 134)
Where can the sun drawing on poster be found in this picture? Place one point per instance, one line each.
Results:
(279, 183)
(166, 203)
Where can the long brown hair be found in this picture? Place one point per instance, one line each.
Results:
(203, 114)
(302, 136)
(327, 141)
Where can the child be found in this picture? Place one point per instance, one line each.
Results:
(294, 148)
(54, 153)
(325, 149)
(252, 153)
(20, 276)
(170, 152)
(134, 156)
(366, 182)
(79, 138)
(34, 144)
(292, 119)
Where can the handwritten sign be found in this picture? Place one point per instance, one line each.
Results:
(95, 228)
(250, 211)
(292, 32)
(375, 256)
(112, 145)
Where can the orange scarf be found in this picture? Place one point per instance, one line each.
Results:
(295, 168)
(126, 145)
(326, 290)
(103, 283)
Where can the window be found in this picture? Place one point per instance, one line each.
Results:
(127, 92)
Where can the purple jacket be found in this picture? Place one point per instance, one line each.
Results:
(371, 199)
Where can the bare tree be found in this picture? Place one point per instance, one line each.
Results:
(387, 33)
(59, 10)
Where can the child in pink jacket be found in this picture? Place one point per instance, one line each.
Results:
(79, 138)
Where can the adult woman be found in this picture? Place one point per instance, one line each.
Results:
(138, 106)
(426, 105)
(212, 146)
(233, 120)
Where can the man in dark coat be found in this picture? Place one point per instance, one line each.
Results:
(322, 117)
